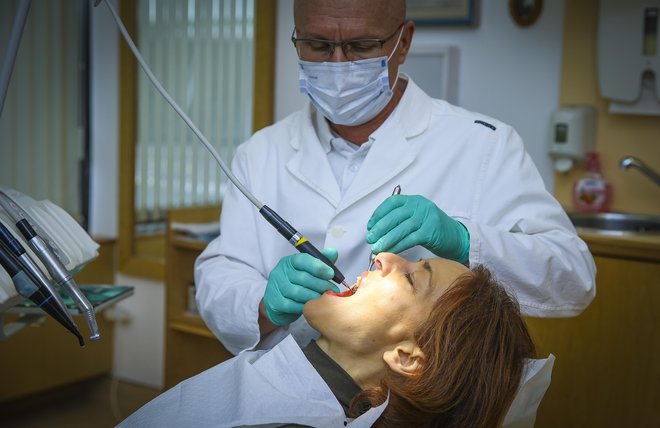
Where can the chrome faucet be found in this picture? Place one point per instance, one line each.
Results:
(631, 161)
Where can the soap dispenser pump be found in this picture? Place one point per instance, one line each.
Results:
(592, 193)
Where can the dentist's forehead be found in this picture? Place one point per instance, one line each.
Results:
(378, 13)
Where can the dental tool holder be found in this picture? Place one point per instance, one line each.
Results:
(66, 239)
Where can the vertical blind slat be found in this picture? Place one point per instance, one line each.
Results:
(201, 50)
(40, 139)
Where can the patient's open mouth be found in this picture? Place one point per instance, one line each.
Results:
(349, 292)
(346, 293)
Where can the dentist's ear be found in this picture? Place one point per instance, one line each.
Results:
(406, 40)
(406, 358)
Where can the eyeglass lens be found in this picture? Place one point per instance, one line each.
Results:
(320, 50)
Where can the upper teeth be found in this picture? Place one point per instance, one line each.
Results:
(358, 280)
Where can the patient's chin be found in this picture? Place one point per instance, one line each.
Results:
(321, 311)
(311, 309)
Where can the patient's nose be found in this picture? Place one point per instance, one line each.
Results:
(389, 262)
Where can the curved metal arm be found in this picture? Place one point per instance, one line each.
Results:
(631, 161)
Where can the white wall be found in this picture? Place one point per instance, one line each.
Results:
(505, 71)
(104, 123)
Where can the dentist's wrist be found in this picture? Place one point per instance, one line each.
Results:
(265, 324)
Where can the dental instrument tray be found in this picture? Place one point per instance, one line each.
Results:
(100, 296)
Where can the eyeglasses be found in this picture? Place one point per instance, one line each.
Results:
(321, 50)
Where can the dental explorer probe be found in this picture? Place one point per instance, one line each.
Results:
(372, 256)
(25, 286)
(285, 229)
(54, 265)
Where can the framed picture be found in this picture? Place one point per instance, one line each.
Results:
(442, 12)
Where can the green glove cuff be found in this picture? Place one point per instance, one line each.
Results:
(465, 239)
(281, 319)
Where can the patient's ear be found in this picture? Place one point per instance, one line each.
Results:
(406, 358)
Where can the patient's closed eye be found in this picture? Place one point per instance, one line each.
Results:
(411, 280)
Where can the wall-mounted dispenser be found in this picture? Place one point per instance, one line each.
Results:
(629, 55)
(573, 134)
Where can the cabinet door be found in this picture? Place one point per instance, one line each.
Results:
(607, 372)
(190, 347)
(46, 356)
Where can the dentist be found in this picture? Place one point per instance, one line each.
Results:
(471, 193)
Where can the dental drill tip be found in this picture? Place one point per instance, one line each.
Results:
(93, 328)
(349, 287)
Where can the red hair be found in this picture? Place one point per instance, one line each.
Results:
(475, 343)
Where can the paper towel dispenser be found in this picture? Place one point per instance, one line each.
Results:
(628, 50)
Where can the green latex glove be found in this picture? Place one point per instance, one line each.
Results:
(403, 221)
(296, 279)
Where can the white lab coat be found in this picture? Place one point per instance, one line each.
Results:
(480, 176)
(255, 388)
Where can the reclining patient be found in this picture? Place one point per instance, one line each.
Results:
(430, 343)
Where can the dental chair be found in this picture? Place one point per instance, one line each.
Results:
(535, 382)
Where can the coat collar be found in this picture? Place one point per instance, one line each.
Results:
(390, 154)
(310, 162)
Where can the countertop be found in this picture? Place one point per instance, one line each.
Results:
(635, 247)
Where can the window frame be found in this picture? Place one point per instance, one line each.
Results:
(145, 257)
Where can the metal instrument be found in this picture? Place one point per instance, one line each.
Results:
(372, 256)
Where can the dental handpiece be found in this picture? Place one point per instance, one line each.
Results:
(26, 287)
(300, 242)
(372, 256)
(58, 310)
(16, 248)
(60, 275)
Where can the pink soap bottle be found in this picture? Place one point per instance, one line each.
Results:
(592, 193)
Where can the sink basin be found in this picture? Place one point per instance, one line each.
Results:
(616, 223)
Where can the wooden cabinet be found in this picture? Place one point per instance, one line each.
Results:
(190, 347)
(46, 356)
(607, 371)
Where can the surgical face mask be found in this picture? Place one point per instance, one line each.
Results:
(348, 93)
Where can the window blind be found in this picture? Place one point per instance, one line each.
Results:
(41, 133)
(202, 51)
